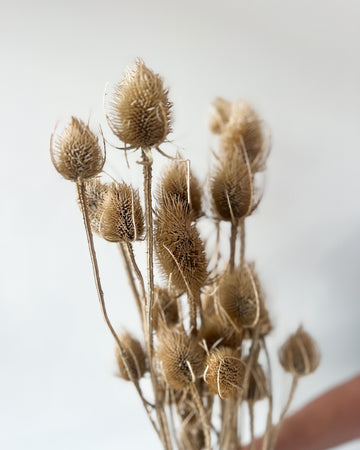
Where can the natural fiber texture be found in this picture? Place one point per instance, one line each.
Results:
(122, 218)
(135, 357)
(165, 309)
(215, 332)
(224, 373)
(220, 114)
(182, 358)
(257, 389)
(140, 111)
(95, 192)
(299, 355)
(76, 153)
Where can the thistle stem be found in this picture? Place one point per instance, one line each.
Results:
(242, 243)
(137, 271)
(270, 397)
(130, 276)
(251, 415)
(203, 416)
(233, 235)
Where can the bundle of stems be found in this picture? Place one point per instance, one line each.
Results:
(204, 330)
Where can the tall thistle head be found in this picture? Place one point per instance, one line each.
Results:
(220, 114)
(76, 153)
(140, 111)
(224, 372)
(135, 359)
(181, 357)
(122, 217)
(299, 355)
(95, 192)
(215, 332)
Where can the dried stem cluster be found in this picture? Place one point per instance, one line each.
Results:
(204, 331)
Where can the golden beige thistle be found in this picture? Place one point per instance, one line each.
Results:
(205, 322)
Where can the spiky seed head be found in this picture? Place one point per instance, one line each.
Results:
(181, 357)
(299, 355)
(165, 308)
(122, 218)
(76, 153)
(179, 248)
(239, 299)
(231, 189)
(95, 192)
(216, 333)
(134, 356)
(257, 389)
(224, 372)
(174, 186)
(140, 111)
(244, 126)
(220, 114)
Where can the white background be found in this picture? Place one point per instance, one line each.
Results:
(298, 63)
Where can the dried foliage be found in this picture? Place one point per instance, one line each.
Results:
(134, 355)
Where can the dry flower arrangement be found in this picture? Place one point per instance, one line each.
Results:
(203, 329)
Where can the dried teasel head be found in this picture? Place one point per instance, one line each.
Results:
(238, 298)
(179, 248)
(231, 189)
(220, 114)
(224, 372)
(258, 388)
(95, 192)
(300, 354)
(179, 184)
(215, 333)
(76, 153)
(134, 356)
(181, 357)
(165, 308)
(140, 111)
(122, 218)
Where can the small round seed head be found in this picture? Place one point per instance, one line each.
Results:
(181, 357)
(174, 186)
(122, 218)
(140, 111)
(94, 192)
(215, 333)
(220, 114)
(165, 309)
(76, 153)
(224, 373)
(239, 298)
(300, 354)
(244, 126)
(257, 389)
(134, 356)
(179, 248)
(231, 189)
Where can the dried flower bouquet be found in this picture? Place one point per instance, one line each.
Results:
(203, 330)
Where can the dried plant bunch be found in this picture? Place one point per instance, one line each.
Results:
(257, 389)
(140, 111)
(165, 308)
(95, 192)
(220, 114)
(299, 355)
(215, 332)
(181, 357)
(76, 153)
(122, 218)
(135, 358)
(224, 373)
(192, 437)
(179, 248)
(238, 298)
(231, 188)
(179, 184)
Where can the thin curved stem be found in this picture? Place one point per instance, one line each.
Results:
(203, 416)
(233, 235)
(251, 415)
(270, 397)
(242, 243)
(129, 272)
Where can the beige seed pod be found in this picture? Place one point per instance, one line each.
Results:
(95, 192)
(165, 308)
(300, 354)
(76, 153)
(257, 389)
(214, 332)
(220, 114)
(140, 111)
(135, 358)
(175, 183)
(181, 357)
(179, 248)
(239, 299)
(122, 218)
(224, 372)
(231, 189)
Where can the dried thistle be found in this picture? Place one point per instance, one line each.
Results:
(224, 373)
(214, 332)
(220, 114)
(95, 192)
(76, 153)
(257, 389)
(181, 357)
(140, 111)
(122, 218)
(165, 308)
(135, 358)
(175, 185)
(299, 355)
